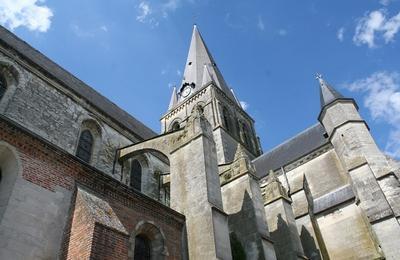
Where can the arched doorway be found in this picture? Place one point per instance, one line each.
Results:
(142, 248)
(147, 242)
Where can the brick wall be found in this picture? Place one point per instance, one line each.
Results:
(51, 169)
(109, 244)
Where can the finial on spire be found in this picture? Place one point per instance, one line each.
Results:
(327, 93)
(320, 79)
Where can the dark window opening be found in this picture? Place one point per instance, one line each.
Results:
(85, 145)
(3, 86)
(142, 248)
(175, 126)
(190, 63)
(136, 175)
(246, 135)
(227, 121)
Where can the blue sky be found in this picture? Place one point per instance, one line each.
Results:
(133, 51)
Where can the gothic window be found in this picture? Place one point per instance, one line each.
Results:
(246, 135)
(227, 120)
(136, 175)
(175, 126)
(142, 248)
(85, 145)
(3, 86)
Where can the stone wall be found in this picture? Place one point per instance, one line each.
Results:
(56, 114)
(323, 204)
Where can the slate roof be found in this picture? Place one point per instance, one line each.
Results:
(59, 74)
(328, 94)
(200, 60)
(292, 149)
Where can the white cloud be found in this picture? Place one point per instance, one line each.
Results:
(260, 23)
(385, 2)
(151, 11)
(382, 99)
(31, 14)
(391, 27)
(170, 5)
(179, 73)
(244, 105)
(340, 34)
(144, 12)
(375, 25)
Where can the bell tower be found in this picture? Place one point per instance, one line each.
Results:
(204, 85)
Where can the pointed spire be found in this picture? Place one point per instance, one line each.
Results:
(198, 56)
(207, 78)
(174, 99)
(327, 93)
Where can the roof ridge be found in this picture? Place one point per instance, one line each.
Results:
(288, 140)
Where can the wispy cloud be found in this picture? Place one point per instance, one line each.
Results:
(144, 11)
(152, 12)
(382, 99)
(282, 32)
(374, 26)
(234, 21)
(104, 28)
(340, 34)
(260, 23)
(82, 32)
(385, 2)
(244, 105)
(32, 14)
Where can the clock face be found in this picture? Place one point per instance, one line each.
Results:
(186, 91)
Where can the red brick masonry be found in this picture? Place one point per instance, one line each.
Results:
(84, 237)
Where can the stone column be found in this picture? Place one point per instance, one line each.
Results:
(281, 221)
(242, 199)
(196, 191)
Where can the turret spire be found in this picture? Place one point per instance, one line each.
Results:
(174, 99)
(327, 93)
(198, 62)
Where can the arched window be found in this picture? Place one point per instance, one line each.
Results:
(85, 146)
(227, 119)
(142, 248)
(3, 86)
(246, 135)
(147, 242)
(175, 126)
(136, 175)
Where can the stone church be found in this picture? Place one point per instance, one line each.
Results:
(82, 179)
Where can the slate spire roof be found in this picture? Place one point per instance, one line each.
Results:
(327, 93)
(200, 61)
(174, 99)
